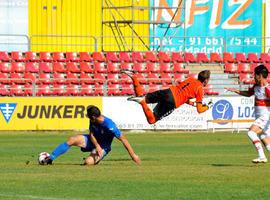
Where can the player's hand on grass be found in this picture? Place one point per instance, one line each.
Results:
(136, 159)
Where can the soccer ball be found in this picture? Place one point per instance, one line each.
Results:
(42, 156)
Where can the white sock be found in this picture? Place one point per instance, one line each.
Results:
(257, 143)
(268, 147)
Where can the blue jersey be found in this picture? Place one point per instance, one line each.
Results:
(105, 132)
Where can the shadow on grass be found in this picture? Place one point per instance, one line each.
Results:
(234, 165)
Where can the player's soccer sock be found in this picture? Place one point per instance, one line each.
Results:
(137, 86)
(268, 147)
(257, 143)
(61, 149)
(148, 113)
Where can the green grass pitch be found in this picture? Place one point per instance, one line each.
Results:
(174, 166)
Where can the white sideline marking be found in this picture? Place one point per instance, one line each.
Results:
(30, 197)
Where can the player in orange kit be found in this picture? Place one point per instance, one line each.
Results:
(169, 99)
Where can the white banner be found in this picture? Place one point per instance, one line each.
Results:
(129, 115)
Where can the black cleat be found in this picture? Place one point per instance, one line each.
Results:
(48, 161)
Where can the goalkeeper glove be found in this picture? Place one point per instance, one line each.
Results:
(210, 104)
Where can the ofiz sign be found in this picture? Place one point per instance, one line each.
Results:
(238, 23)
(35, 113)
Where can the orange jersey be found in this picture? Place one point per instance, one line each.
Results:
(188, 89)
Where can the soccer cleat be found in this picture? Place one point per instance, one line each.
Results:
(128, 72)
(136, 99)
(260, 160)
(48, 161)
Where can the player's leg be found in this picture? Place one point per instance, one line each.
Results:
(253, 133)
(77, 140)
(265, 136)
(136, 83)
(94, 158)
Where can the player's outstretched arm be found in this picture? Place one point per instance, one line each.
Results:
(242, 93)
(98, 147)
(130, 150)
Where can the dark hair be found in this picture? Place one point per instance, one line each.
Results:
(261, 69)
(93, 111)
(203, 75)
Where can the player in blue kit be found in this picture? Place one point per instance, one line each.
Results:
(102, 131)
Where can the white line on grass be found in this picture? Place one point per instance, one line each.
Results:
(31, 197)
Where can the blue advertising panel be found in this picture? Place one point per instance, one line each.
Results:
(207, 25)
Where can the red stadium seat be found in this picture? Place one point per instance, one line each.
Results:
(73, 90)
(59, 67)
(73, 78)
(113, 67)
(246, 78)
(202, 58)
(98, 90)
(253, 66)
(98, 57)
(86, 67)
(154, 87)
(45, 78)
(4, 56)
(87, 90)
(72, 57)
(18, 67)
(45, 67)
(164, 57)
(31, 67)
(244, 68)
(45, 56)
(73, 67)
(113, 78)
(114, 90)
(59, 78)
(177, 57)
(30, 77)
(86, 78)
(152, 67)
(189, 57)
(253, 57)
(4, 78)
(215, 57)
(5, 67)
(31, 57)
(43, 90)
(112, 57)
(127, 89)
(99, 78)
(153, 78)
(208, 90)
(240, 57)
(86, 57)
(179, 68)
(166, 78)
(127, 66)
(17, 56)
(142, 79)
(17, 90)
(59, 57)
(165, 68)
(59, 90)
(124, 57)
(125, 79)
(28, 89)
(265, 57)
(228, 57)
(4, 90)
(150, 56)
(17, 78)
(230, 68)
(137, 57)
(139, 67)
(99, 67)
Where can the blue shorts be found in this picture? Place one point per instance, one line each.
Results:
(90, 147)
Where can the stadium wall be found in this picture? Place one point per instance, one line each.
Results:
(66, 113)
